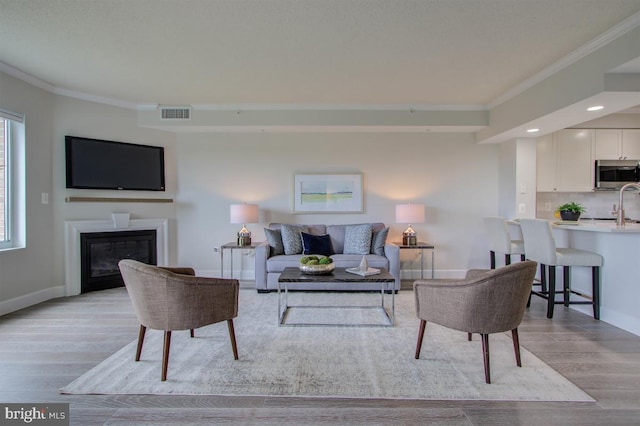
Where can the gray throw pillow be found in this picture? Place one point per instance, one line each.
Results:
(357, 239)
(274, 238)
(291, 238)
(378, 240)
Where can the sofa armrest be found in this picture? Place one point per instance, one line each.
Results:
(263, 251)
(392, 252)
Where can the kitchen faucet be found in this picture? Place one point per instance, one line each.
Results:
(620, 218)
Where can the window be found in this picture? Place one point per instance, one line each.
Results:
(5, 235)
(12, 180)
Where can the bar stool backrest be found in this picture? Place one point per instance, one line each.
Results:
(499, 237)
(539, 243)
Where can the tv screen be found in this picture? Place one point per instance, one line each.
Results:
(100, 164)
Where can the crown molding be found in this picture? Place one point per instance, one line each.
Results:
(336, 107)
(608, 36)
(27, 78)
(602, 40)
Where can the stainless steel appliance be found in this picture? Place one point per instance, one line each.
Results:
(614, 174)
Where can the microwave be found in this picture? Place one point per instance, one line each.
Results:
(614, 174)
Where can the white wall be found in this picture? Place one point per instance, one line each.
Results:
(455, 178)
(36, 273)
(25, 274)
(93, 120)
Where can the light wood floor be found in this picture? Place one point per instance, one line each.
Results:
(45, 347)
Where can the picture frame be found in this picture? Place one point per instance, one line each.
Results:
(328, 193)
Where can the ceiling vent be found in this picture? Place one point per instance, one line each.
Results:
(175, 113)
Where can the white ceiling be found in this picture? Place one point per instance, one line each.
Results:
(359, 53)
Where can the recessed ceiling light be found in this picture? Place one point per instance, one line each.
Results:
(532, 130)
(595, 108)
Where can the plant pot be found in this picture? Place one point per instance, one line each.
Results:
(569, 215)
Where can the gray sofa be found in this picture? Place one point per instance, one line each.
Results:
(269, 266)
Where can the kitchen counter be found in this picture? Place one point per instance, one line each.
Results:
(597, 226)
(620, 272)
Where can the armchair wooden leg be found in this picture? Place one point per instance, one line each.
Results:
(485, 353)
(507, 259)
(492, 259)
(469, 338)
(232, 335)
(192, 333)
(165, 355)
(141, 334)
(516, 346)
(423, 324)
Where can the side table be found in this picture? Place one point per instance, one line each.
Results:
(422, 246)
(231, 247)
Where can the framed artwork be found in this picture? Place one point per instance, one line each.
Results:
(328, 193)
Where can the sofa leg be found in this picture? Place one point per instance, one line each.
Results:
(260, 291)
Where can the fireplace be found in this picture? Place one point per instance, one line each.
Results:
(100, 253)
(74, 229)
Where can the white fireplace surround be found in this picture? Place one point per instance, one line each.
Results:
(73, 229)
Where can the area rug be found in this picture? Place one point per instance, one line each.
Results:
(327, 361)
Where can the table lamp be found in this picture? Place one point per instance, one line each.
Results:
(410, 214)
(244, 213)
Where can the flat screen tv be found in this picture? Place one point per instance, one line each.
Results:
(100, 164)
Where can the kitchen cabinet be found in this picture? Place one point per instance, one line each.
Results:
(631, 144)
(617, 144)
(564, 161)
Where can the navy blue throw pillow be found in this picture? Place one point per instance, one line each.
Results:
(316, 244)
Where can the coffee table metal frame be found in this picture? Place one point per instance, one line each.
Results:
(293, 275)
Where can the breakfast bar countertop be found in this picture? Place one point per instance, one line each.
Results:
(592, 225)
(597, 226)
(620, 248)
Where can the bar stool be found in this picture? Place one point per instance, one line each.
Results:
(500, 240)
(540, 246)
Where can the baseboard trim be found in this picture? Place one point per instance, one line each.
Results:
(21, 302)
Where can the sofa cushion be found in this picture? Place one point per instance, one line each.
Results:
(274, 238)
(378, 240)
(316, 244)
(278, 263)
(291, 239)
(357, 239)
(336, 232)
(353, 260)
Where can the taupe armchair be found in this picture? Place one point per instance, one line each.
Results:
(485, 302)
(174, 299)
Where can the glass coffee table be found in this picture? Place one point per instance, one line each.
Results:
(338, 275)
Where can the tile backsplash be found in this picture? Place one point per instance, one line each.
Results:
(597, 204)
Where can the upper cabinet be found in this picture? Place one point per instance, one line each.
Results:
(617, 144)
(564, 161)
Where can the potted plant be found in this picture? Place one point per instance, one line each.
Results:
(570, 211)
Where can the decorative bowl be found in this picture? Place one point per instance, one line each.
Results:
(317, 269)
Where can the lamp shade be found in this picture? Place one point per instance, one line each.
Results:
(410, 213)
(243, 213)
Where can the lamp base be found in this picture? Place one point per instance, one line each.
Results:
(409, 240)
(244, 241)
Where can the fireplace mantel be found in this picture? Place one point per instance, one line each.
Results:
(73, 229)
